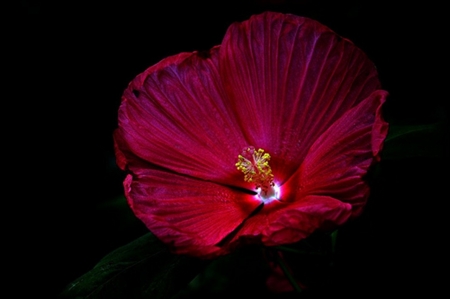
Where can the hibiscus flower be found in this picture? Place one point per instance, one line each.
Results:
(264, 139)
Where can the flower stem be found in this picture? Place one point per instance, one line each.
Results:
(287, 273)
(333, 241)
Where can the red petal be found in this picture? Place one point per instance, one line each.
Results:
(288, 222)
(176, 115)
(289, 79)
(339, 159)
(193, 216)
(121, 158)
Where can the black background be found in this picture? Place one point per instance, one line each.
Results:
(71, 62)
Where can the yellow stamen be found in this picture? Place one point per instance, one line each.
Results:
(255, 166)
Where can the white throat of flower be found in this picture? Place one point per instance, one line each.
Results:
(255, 166)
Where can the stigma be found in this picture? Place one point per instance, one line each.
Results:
(255, 166)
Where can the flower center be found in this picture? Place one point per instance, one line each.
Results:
(255, 166)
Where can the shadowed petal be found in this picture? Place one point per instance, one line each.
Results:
(289, 79)
(190, 215)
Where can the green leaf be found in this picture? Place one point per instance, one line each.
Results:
(411, 141)
(143, 268)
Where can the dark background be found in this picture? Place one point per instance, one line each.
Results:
(71, 62)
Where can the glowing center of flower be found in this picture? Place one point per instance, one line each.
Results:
(255, 166)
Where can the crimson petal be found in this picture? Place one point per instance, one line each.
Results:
(288, 222)
(289, 79)
(339, 159)
(329, 187)
(175, 115)
(191, 215)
